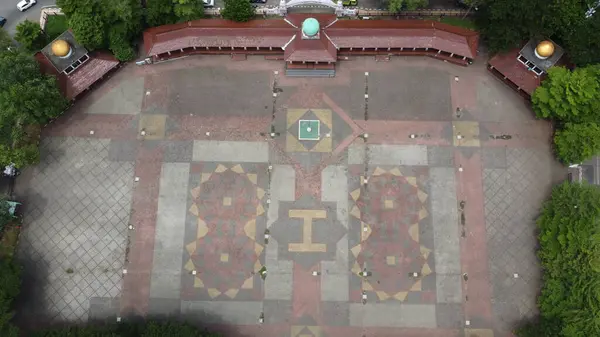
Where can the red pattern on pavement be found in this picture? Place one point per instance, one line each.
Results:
(136, 283)
(473, 249)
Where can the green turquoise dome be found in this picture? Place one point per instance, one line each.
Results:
(310, 27)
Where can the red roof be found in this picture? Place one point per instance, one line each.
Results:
(83, 77)
(276, 33)
(404, 34)
(217, 33)
(508, 65)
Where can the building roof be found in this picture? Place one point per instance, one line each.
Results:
(62, 63)
(276, 33)
(528, 51)
(217, 33)
(515, 71)
(83, 77)
(404, 34)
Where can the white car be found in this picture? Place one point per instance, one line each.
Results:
(23, 5)
(207, 3)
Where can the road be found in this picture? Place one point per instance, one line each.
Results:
(8, 9)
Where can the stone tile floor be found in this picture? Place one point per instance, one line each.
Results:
(366, 236)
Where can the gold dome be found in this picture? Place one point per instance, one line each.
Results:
(60, 48)
(545, 49)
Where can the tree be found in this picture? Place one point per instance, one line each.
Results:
(569, 96)
(395, 6)
(10, 282)
(238, 10)
(119, 45)
(30, 36)
(88, 29)
(26, 97)
(5, 40)
(93, 21)
(576, 143)
(505, 24)
(582, 41)
(569, 251)
(189, 10)
(159, 12)
(412, 5)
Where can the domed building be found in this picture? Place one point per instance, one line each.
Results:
(525, 69)
(61, 49)
(75, 68)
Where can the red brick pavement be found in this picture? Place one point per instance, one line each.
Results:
(347, 331)
(136, 283)
(306, 300)
(473, 249)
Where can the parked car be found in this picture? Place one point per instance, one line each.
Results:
(2, 21)
(259, 1)
(350, 2)
(208, 3)
(23, 5)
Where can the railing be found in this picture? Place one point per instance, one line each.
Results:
(362, 12)
(419, 13)
(47, 11)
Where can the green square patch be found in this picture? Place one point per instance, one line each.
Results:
(309, 129)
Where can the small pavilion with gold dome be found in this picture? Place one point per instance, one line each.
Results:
(525, 69)
(75, 68)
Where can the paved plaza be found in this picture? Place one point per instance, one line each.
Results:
(262, 205)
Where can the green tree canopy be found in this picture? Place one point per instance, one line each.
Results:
(576, 143)
(238, 10)
(505, 24)
(569, 251)
(582, 42)
(26, 97)
(398, 5)
(5, 40)
(10, 283)
(30, 36)
(94, 22)
(159, 12)
(569, 96)
(188, 10)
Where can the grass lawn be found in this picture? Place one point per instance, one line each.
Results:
(55, 25)
(459, 22)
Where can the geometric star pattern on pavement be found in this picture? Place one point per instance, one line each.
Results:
(226, 204)
(389, 213)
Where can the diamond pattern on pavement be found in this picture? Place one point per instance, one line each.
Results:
(75, 228)
(513, 197)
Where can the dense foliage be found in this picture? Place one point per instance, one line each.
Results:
(148, 329)
(505, 24)
(569, 96)
(162, 12)
(410, 5)
(29, 34)
(105, 24)
(572, 100)
(238, 10)
(576, 143)
(569, 251)
(10, 282)
(27, 97)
